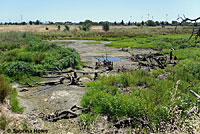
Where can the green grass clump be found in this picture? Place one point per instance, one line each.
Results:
(5, 89)
(92, 43)
(15, 102)
(3, 122)
(86, 120)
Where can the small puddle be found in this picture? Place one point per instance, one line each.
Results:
(111, 59)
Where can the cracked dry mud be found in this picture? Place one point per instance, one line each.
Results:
(49, 99)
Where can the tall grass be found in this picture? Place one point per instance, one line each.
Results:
(5, 89)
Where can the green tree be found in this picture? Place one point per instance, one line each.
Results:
(106, 26)
(150, 23)
(30, 22)
(67, 27)
(58, 27)
(86, 25)
(122, 22)
(142, 23)
(138, 24)
(157, 23)
(37, 22)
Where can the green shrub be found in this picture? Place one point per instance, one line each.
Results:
(17, 68)
(59, 27)
(86, 27)
(106, 26)
(67, 27)
(62, 58)
(5, 89)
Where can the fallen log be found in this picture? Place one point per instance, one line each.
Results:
(55, 82)
(56, 76)
(58, 72)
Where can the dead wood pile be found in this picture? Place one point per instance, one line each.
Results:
(154, 60)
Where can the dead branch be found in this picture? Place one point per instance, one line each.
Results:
(194, 21)
(105, 63)
(195, 94)
(74, 79)
(65, 114)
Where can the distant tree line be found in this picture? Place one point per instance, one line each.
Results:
(88, 23)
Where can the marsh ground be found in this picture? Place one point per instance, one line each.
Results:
(49, 99)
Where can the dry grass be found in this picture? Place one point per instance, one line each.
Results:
(42, 28)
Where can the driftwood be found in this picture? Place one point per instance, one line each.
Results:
(56, 76)
(153, 60)
(55, 82)
(74, 79)
(65, 114)
(56, 72)
(105, 63)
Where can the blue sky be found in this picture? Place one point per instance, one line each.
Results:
(101, 10)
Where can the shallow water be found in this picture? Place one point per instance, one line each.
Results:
(111, 59)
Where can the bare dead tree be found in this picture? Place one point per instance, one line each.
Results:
(195, 33)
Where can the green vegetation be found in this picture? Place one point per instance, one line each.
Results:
(140, 94)
(67, 27)
(150, 97)
(136, 94)
(92, 43)
(15, 102)
(5, 89)
(59, 27)
(106, 26)
(176, 41)
(32, 55)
